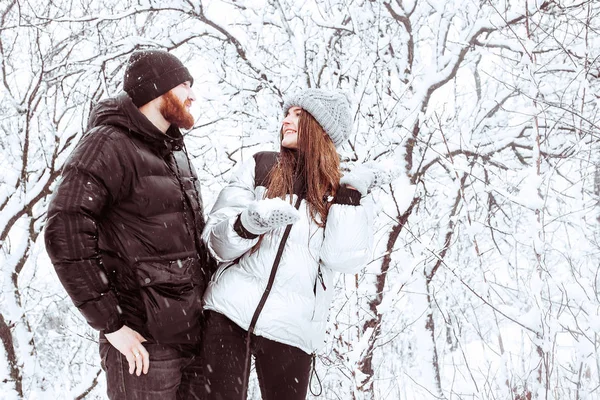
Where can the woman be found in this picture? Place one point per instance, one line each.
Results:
(281, 228)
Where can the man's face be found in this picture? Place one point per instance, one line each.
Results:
(176, 104)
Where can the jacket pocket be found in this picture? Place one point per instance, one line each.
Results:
(104, 348)
(221, 270)
(171, 299)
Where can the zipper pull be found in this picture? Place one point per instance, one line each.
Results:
(320, 275)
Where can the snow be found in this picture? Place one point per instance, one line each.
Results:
(531, 284)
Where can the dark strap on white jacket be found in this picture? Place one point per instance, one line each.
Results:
(263, 300)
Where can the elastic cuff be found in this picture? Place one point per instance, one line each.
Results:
(238, 227)
(347, 196)
(113, 327)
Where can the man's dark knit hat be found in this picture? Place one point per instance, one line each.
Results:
(152, 73)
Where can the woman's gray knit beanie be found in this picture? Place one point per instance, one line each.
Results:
(331, 109)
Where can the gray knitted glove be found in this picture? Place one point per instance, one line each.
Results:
(265, 215)
(365, 177)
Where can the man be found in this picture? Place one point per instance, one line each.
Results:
(123, 233)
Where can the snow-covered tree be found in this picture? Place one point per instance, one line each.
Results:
(484, 279)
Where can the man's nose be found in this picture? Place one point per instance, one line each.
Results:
(192, 95)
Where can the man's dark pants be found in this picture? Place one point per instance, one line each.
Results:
(173, 374)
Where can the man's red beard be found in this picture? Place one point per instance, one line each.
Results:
(176, 112)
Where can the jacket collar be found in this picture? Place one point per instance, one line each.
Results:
(121, 112)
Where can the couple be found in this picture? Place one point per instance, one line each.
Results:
(128, 239)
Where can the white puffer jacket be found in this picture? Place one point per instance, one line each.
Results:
(297, 308)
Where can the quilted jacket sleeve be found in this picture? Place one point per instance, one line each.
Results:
(92, 178)
(347, 246)
(223, 234)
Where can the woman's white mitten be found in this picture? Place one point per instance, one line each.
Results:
(367, 176)
(359, 178)
(268, 214)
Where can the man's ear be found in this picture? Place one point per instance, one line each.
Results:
(157, 102)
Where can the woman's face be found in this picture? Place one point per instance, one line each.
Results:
(290, 128)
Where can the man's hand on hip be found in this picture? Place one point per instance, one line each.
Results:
(129, 343)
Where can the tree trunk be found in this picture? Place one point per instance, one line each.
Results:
(11, 355)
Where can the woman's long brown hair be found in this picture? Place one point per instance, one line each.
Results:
(315, 162)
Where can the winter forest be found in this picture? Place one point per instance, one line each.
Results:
(484, 279)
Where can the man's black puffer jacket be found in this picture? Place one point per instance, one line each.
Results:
(123, 228)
